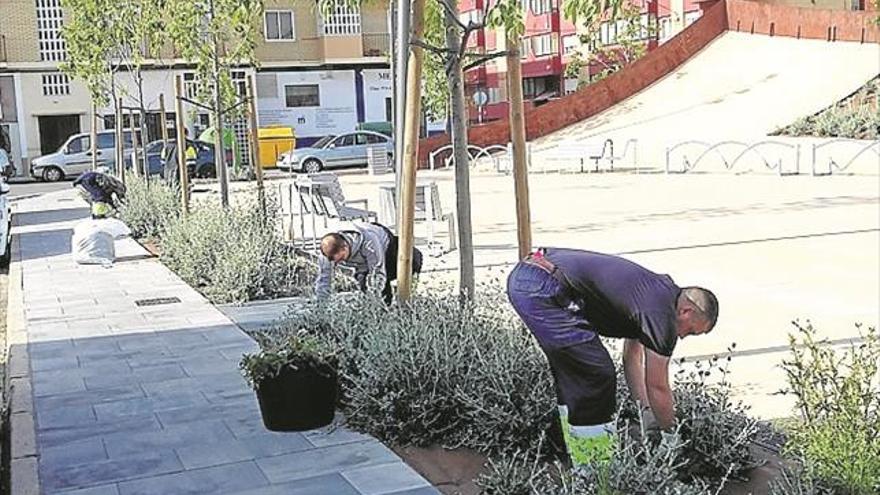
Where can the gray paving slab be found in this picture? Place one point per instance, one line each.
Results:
(97, 490)
(326, 460)
(122, 443)
(384, 478)
(74, 453)
(131, 400)
(220, 479)
(319, 485)
(108, 471)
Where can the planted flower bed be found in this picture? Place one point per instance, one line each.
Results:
(231, 255)
(468, 376)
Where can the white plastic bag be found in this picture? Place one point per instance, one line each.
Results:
(114, 227)
(92, 244)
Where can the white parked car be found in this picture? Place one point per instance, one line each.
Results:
(346, 150)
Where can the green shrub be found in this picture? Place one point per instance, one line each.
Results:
(838, 396)
(298, 351)
(150, 207)
(234, 255)
(794, 480)
(856, 117)
(436, 371)
(641, 464)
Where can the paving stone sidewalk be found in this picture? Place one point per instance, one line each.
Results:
(124, 399)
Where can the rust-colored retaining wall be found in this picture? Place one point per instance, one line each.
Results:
(798, 22)
(735, 15)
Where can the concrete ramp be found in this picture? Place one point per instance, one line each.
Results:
(740, 87)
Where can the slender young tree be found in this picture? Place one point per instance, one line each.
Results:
(216, 36)
(446, 38)
(107, 40)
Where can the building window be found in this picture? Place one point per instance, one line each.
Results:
(691, 17)
(190, 85)
(50, 19)
(279, 25)
(524, 48)
(239, 80)
(471, 16)
(343, 19)
(494, 95)
(570, 44)
(56, 85)
(540, 6)
(644, 25)
(533, 86)
(665, 28)
(543, 45)
(302, 95)
(608, 33)
(537, 7)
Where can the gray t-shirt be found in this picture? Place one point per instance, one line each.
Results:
(368, 245)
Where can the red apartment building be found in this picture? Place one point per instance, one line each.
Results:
(548, 44)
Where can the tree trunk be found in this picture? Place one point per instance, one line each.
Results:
(461, 159)
(410, 161)
(518, 141)
(143, 127)
(219, 154)
(93, 151)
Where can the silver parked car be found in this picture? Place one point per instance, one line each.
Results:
(346, 150)
(75, 156)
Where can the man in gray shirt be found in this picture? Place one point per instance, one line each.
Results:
(371, 250)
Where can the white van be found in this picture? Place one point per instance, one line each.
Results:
(75, 156)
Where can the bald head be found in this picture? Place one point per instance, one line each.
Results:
(334, 247)
(703, 301)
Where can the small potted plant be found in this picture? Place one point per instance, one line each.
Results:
(296, 382)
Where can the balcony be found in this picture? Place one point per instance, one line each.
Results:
(376, 44)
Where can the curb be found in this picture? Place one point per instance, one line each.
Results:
(25, 196)
(23, 469)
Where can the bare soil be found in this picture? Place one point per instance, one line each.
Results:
(453, 471)
(151, 246)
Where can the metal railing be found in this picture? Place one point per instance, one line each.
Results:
(826, 158)
(475, 153)
(860, 148)
(730, 153)
(376, 44)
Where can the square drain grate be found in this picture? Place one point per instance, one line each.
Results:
(156, 301)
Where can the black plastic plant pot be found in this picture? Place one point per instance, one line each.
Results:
(297, 400)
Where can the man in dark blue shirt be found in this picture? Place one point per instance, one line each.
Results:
(568, 298)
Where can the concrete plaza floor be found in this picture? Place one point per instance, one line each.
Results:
(774, 249)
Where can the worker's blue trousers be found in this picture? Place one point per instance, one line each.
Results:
(583, 371)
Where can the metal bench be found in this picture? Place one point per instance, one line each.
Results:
(576, 156)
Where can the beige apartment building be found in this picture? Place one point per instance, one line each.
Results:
(320, 75)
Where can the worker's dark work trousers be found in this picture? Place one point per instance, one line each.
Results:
(583, 371)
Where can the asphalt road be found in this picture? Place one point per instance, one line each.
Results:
(31, 188)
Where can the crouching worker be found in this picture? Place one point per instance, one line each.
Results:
(371, 250)
(106, 193)
(568, 298)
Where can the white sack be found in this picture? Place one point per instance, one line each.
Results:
(92, 244)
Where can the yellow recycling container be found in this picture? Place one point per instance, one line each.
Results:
(273, 142)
